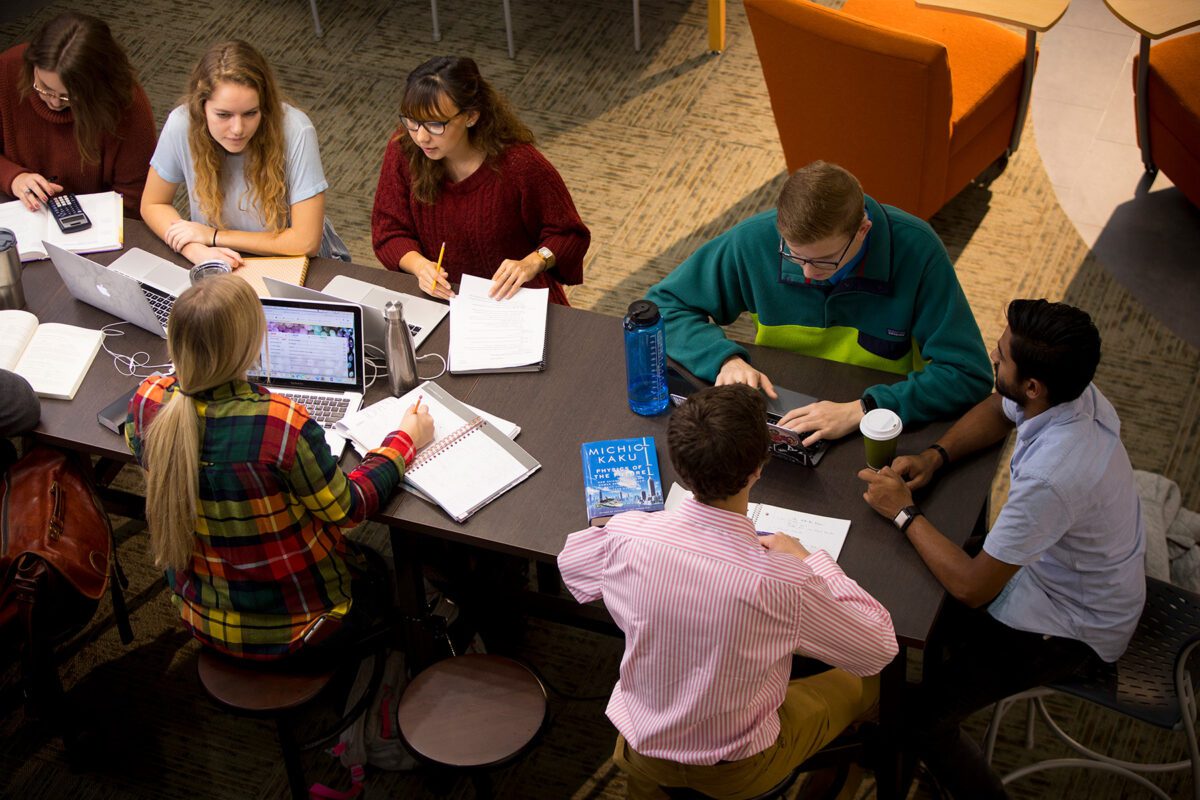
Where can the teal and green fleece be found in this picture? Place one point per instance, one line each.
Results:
(901, 310)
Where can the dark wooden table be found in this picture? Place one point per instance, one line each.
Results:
(580, 397)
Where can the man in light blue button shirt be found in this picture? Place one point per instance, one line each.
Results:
(1059, 580)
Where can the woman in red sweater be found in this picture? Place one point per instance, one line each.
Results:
(72, 116)
(463, 170)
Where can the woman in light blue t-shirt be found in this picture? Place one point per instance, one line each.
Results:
(250, 163)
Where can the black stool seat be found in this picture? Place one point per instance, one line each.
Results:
(472, 711)
(253, 689)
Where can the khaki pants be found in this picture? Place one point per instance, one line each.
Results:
(814, 712)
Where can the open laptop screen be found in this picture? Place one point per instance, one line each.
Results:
(311, 345)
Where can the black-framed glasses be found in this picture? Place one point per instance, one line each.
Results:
(815, 263)
(434, 126)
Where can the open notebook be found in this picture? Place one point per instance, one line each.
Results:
(471, 460)
(811, 530)
(32, 228)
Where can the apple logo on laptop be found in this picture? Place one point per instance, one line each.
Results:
(102, 289)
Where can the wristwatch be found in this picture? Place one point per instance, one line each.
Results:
(547, 256)
(906, 516)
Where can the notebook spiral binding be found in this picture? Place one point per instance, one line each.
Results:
(435, 450)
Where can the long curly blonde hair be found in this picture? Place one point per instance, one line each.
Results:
(266, 171)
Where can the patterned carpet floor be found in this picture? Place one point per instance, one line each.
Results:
(662, 149)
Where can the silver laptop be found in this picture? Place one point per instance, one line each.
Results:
(313, 353)
(138, 287)
(421, 315)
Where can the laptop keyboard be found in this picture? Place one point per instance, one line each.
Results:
(160, 301)
(325, 409)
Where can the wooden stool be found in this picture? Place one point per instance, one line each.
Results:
(474, 712)
(251, 690)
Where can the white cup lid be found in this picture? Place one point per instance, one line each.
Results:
(881, 424)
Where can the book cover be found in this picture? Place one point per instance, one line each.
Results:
(621, 475)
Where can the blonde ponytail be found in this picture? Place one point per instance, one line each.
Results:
(171, 452)
(214, 334)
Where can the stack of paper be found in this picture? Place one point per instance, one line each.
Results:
(811, 530)
(489, 335)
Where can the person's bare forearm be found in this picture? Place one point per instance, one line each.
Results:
(982, 426)
(158, 216)
(288, 242)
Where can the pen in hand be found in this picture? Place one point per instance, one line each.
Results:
(438, 271)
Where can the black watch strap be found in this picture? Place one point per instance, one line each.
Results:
(942, 452)
(909, 513)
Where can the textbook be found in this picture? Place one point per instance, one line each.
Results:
(470, 462)
(53, 357)
(33, 227)
(289, 269)
(489, 335)
(620, 475)
(811, 530)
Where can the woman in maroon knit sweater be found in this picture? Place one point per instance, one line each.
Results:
(72, 116)
(463, 170)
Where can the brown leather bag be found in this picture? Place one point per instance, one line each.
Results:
(55, 548)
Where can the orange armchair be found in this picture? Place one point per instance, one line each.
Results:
(916, 103)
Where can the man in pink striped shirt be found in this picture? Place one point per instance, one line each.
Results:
(712, 613)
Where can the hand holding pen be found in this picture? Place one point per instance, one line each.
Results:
(433, 280)
(418, 424)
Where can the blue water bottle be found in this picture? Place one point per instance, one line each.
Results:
(646, 359)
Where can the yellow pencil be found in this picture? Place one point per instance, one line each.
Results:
(441, 253)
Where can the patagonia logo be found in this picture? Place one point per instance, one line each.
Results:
(894, 332)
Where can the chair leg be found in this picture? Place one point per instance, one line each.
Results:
(1029, 720)
(1026, 90)
(512, 53)
(1142, 105)
(291, 760)
(316, 19)
(637, 27)
(437, 31)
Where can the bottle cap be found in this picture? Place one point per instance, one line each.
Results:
(393, 310)
(642, 314)
(7, 239)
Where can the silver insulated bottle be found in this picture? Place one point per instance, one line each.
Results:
(398, 349)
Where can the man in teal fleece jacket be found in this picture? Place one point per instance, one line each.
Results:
(833, 274)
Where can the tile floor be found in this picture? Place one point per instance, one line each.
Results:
(1142, 229)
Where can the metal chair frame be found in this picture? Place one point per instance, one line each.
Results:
(1185, 696)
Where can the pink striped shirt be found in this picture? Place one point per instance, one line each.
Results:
(711, 619)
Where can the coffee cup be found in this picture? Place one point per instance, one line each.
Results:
(880, 429)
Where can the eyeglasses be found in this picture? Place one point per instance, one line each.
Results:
(435, 127)
(49, 95)
(815, 263)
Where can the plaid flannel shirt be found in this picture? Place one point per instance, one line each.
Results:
(269, 553)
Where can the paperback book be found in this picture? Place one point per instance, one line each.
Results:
(621, 475)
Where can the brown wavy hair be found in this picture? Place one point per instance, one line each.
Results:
(266, 170)
(456, 79)
(97, 74)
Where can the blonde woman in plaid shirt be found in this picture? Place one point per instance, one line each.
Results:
(245, 504)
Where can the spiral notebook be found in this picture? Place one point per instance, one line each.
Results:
(488, 335)
(470, 461)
